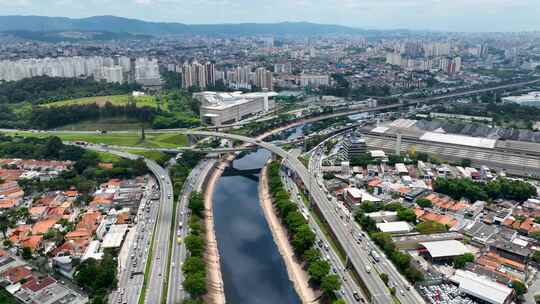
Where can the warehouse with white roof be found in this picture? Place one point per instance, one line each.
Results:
(395, 227)
(442, 250)
(482, 288)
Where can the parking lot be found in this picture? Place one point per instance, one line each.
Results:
(444, 294)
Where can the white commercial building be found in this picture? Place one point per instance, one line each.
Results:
(395, 227)
(314, 81)
(115, 236)
(482, 288)
(218, 108)
(531, 99)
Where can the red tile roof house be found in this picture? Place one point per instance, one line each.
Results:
(17, 274)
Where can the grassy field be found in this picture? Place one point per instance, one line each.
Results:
(153, 155)
(132, 139)
(142, 101)
(108, 157)
(109, 124)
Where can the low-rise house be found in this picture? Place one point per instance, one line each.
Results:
(79, 234)
(46, 290)
(511, 251)
(33, 242)
(15, 275)
(43, 226)
(480, 233)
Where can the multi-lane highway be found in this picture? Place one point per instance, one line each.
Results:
(194, 182)
(349, 288)
(156, 281)
(131, 276)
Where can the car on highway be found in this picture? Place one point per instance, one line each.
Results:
(356, 296)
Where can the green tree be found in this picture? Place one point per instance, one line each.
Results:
(195, 284)
(465, 162)
(26, 253)
(318, 270)
(407, 215)
(194, 264)
(311, 255)
(303, 239)
(196, 203)
(195, 245)
(424, 203)
(330, 284)
(53, 148)
(519, 287)
(294, 221)
(536, 256)
(401, 260)
(384, 278)
(460, 261)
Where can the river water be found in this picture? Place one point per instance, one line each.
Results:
(252, 268)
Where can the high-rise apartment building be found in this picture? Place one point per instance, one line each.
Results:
(196, 74)
(110, 69)
(263, 79)
(314, 81)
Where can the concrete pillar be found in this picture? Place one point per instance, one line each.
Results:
(398, 144)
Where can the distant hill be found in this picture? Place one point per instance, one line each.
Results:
(114, 24)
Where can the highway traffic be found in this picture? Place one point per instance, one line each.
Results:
(349, 291)
(194, 182)
(404, 291)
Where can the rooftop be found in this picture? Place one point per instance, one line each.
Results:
(447, 248)
(481, 287)
(394, 227)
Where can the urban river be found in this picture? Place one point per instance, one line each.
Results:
(252, 268)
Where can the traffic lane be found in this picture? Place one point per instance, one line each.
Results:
(377, 290)
(164, 221)
(363, 259)
(192, 183)
(405, 292)
(333, 258)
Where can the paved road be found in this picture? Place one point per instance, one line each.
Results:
(131, 275)
(349, 287)
(194, 182)
(405, 292)
(357, 255)
(163, 232)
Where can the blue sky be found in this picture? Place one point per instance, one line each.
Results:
(453, 15)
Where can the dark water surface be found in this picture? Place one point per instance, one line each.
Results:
(253, 270)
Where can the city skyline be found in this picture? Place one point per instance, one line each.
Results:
(437, 15)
